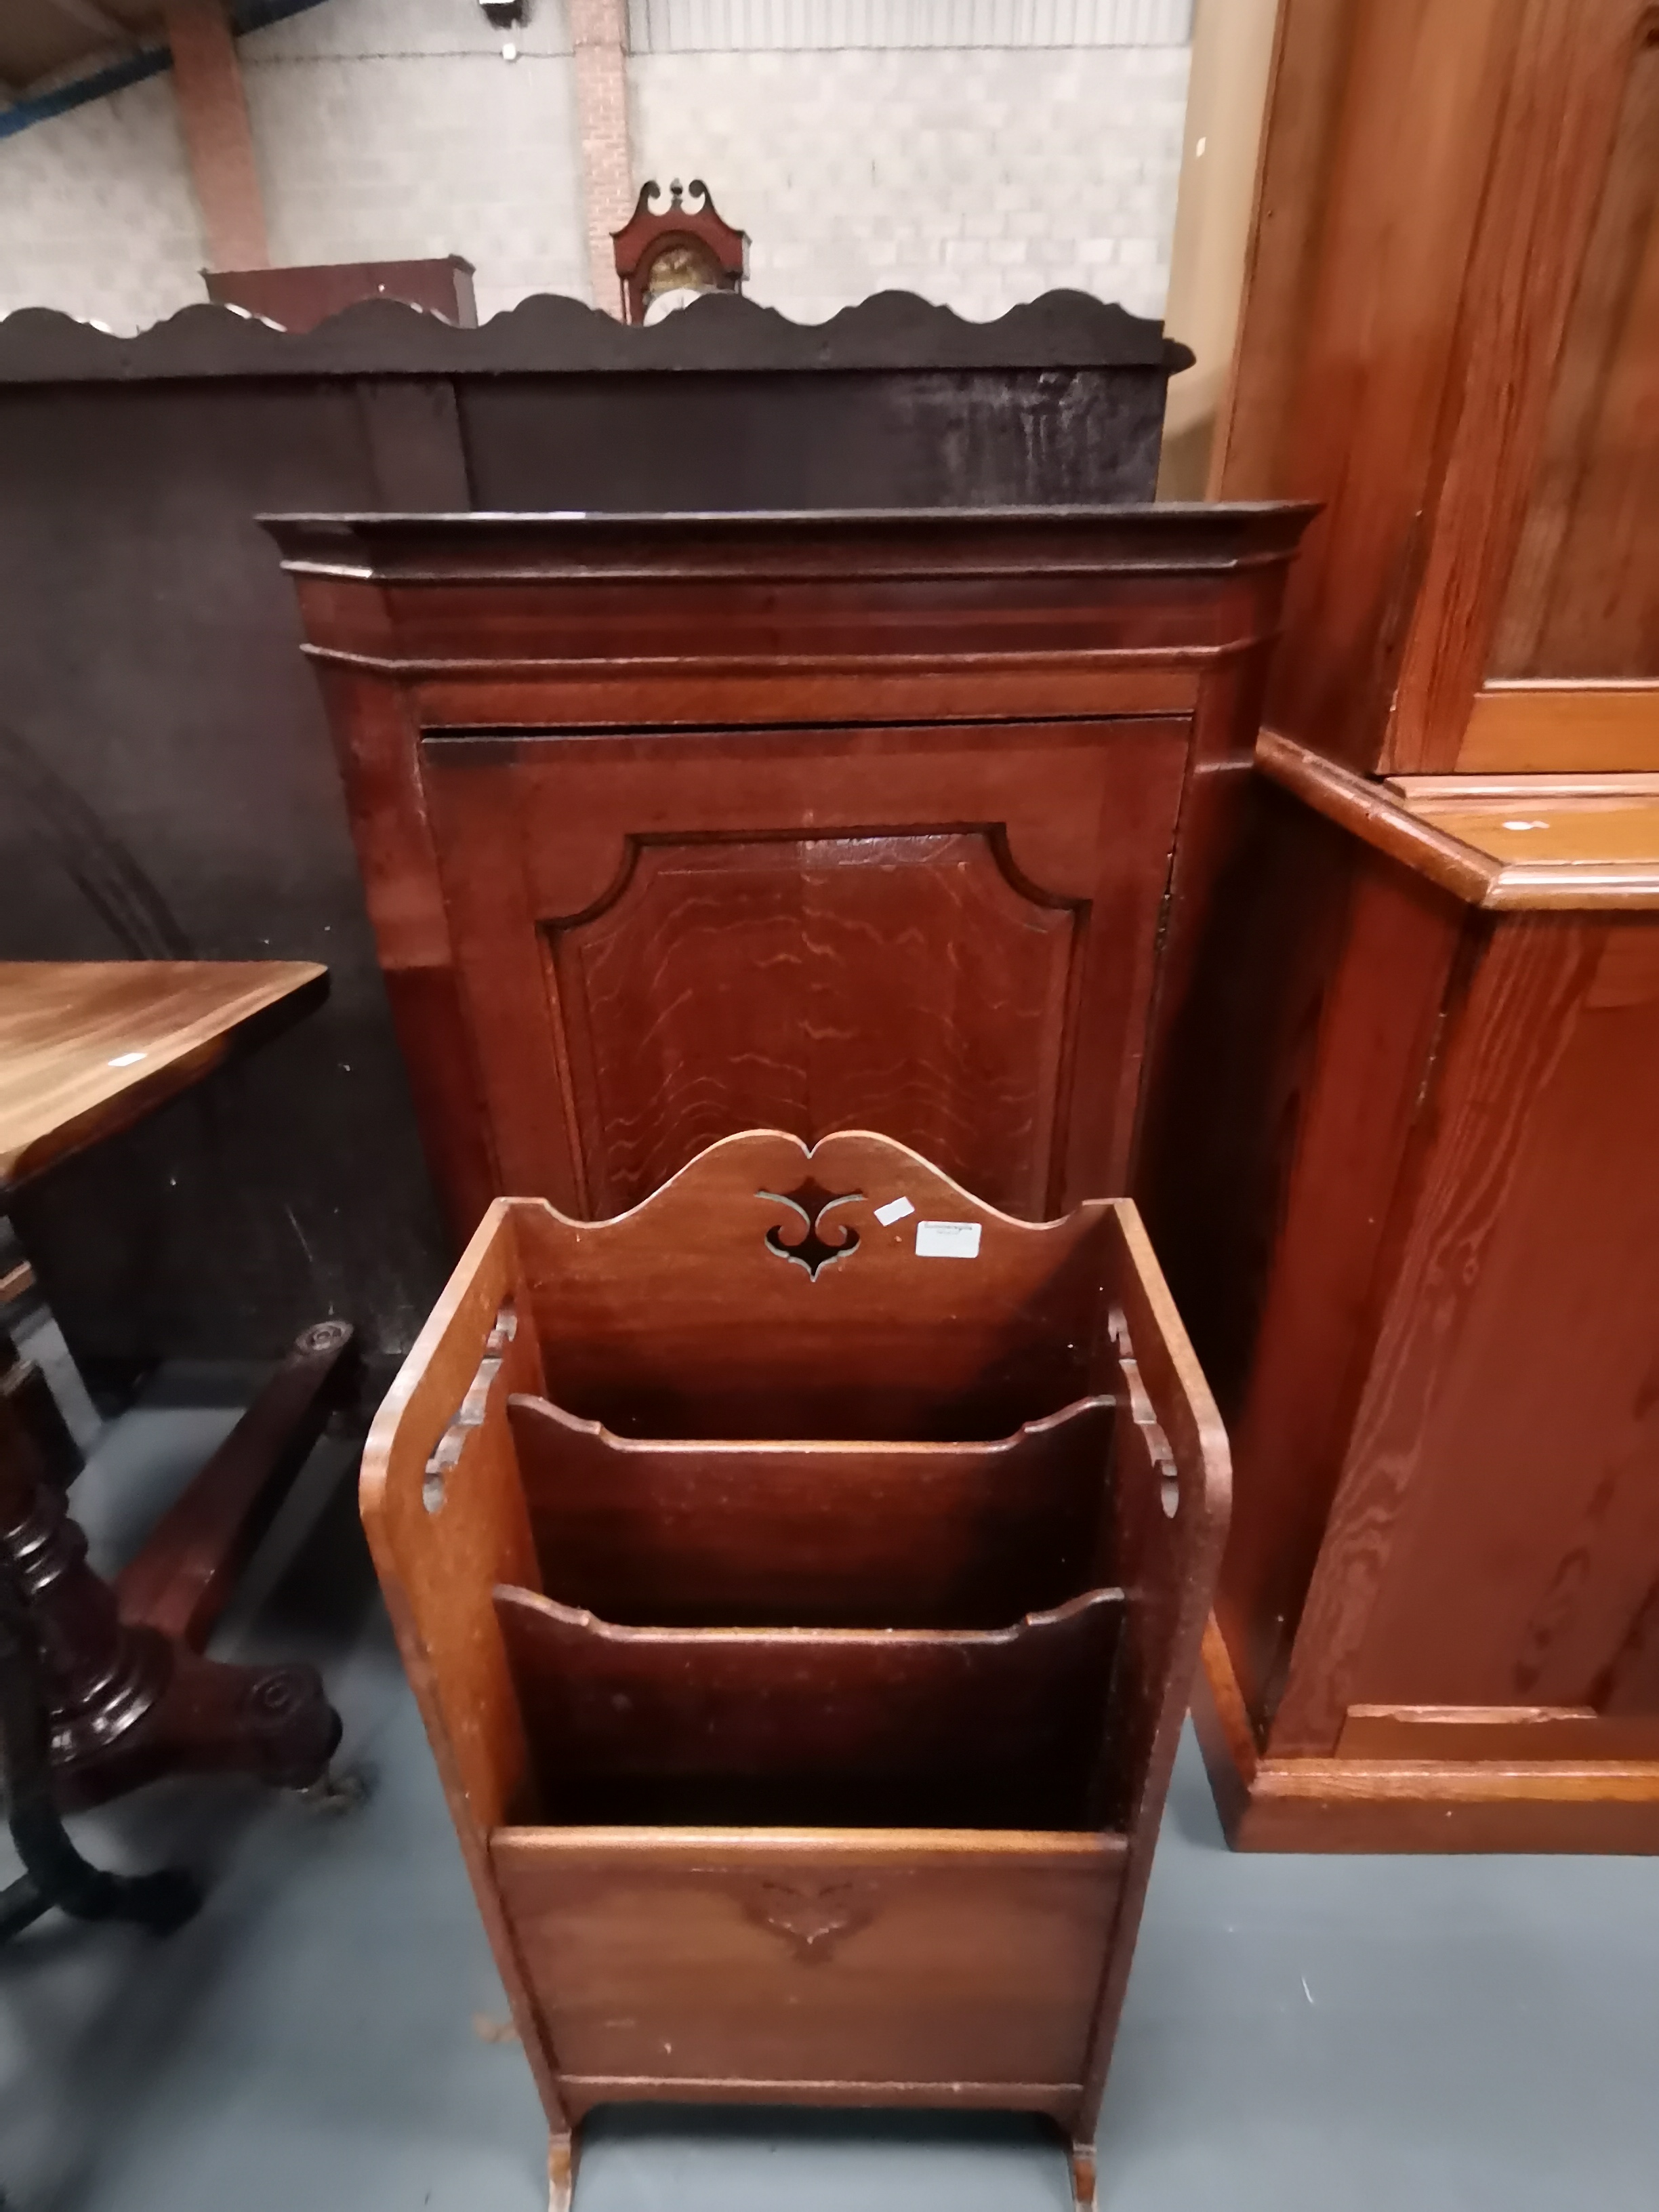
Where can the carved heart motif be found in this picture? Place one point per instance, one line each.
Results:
(812, 1921)
(812, 1251)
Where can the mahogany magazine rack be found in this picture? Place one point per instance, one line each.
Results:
(801, 1576)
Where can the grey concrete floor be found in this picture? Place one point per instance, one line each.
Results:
(1341, 2035)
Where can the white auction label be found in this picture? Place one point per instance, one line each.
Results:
(947, 1240)
(895, 1210)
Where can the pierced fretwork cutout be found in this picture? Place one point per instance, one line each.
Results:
(813, 1251)
(1140, 1411)
(471, 1413)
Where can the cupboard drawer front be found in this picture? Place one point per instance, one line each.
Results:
(921, 1957)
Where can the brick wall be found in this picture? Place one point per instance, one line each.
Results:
(392, 129)
(976, 177)
(599, 38)
(96, 213)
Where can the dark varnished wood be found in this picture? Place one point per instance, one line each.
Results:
(86, 1049)
(879, 1344)
(299, 296)
(680, 245)
(53, 1871)
(680, 824)
(669, 984)
(838, 1535)
(813, 1727)
(182, 1576)
(123, 1703)
(545, 334)
(925, 1968)
(171, 789)
(1435, 1622)
(852, 1963)
(88, 1046)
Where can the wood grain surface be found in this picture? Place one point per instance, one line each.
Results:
(1497, 1803)
(677, 824)
(866, 1963)
(889, 1968)
(1454, 350)
(848, 1535)
(1383, 982)
(1541, 843)
(1561, 729)
(881, 1342)
(88, 1047)
(1569, 70)
(1515, 1028)
(683, 936)
(812, 1727)
(1533, 1579)
(1583, 599)
(1433, 1322)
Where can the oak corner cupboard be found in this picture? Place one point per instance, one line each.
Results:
(674, 825)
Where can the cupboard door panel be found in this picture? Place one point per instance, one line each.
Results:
(1496, 1541)
(946, 934)
(736, 985)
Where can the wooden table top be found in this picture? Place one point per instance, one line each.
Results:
(88, 1046)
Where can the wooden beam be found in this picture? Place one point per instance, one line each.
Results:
(207, 83)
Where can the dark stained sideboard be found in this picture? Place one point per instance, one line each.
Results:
(168, 789)
(676, 825)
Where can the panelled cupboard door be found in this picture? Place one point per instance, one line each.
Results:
(946, 933)
(1502, 1503)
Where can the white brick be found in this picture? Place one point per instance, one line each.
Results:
(895, 160)
(386, 128)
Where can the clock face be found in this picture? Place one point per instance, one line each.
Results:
(684, 265)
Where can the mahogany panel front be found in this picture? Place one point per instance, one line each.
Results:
(677, 826)
(947, 934)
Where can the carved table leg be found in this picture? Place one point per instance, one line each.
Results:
(562, 2152)
(54, 1873)
(126, 1703)
(1083, 2176)
(22, 1383)
(185, 1573)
